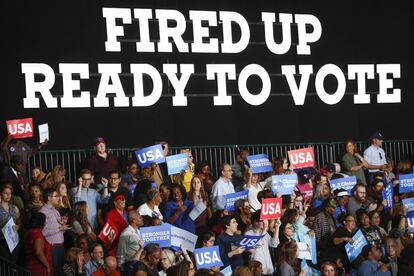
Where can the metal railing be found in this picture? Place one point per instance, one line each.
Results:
(9, 269)
(74, 160)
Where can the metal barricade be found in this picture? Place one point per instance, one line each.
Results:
(9, 269)
(74, 160)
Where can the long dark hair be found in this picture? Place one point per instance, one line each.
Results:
(79, 213)
(288, 255)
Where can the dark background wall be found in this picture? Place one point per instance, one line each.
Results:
(361, 32)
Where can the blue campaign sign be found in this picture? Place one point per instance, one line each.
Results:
(157, 234)
(308, 270)
(284, 184)
(353, 250)
(410, 221)
(388, 195)
(177, 163)
(249, 241)
(231, 198)
(259, 163)
(149, 155)
(227, 271)
(346, 183)
(208, 257)
(406, 183)
(409, 204)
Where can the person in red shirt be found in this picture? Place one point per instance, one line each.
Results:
(101, 162)
(117, 217)
(38, 251)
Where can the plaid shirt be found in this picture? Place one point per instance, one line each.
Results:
(51, 230)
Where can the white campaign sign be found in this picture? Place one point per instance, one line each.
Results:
(11, 236)
(43, 132)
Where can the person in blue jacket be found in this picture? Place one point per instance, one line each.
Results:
(178, 209)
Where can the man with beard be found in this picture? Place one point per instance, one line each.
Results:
(360, 200)
(96, 261)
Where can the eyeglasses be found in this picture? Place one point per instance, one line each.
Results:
(86, 179)
(380, 155)
(113, 178)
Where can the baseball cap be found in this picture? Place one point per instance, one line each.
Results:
(118, 197)
(99, 140)
(377, 135)
(340, 192)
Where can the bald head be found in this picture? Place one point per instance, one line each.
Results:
(135, 219)
(110, 263)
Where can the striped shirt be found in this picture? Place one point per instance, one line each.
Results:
(51, 230)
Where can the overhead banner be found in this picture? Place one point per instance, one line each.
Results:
(143, 71)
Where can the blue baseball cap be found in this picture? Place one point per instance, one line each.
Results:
(377, 135)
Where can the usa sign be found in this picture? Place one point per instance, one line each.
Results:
(271, 208)
(302, 158)
(21, 128)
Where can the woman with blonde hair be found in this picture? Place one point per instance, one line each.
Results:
(56, 176)
(188, 174)
(74, 262)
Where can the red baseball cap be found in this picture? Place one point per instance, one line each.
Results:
(118, 197)
(99, 140)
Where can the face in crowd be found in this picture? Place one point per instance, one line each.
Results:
(120, 203)
(360, 194)
(232, 227)
(98, 254)
(54, 199)
(177, 195)
(6, 195)
(350, 148)
(377, 142)
(196, 183)
(86, 180)
(101, 148)
(227, 172)
(114, 180)
(210, 242)
(164, 193)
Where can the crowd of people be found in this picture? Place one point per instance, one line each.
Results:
(59, 223)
